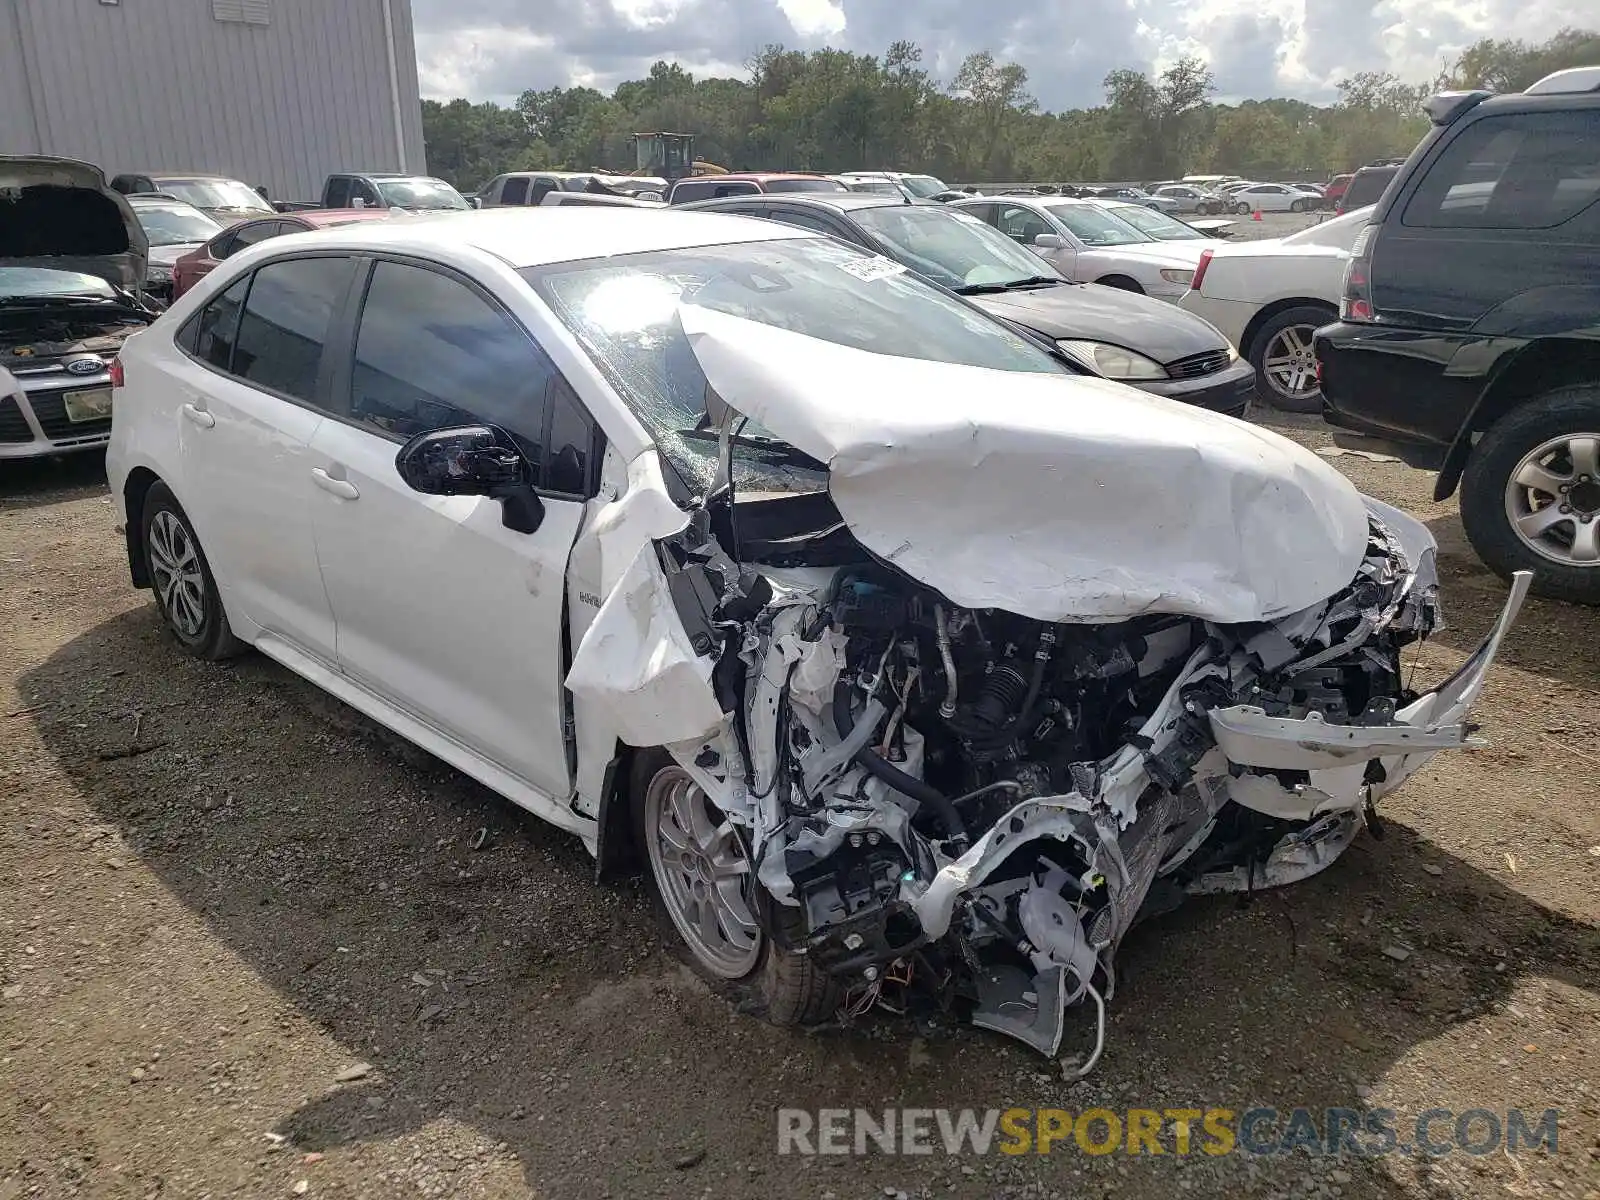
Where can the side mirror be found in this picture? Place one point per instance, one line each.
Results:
(476, 201)
(473, 460)
(1050, 241)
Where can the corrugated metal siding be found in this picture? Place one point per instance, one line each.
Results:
(162, 85)
(17, 132)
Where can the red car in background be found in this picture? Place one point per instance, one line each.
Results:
(1334, 192)
(197, 264)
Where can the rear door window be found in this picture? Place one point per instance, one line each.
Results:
(285, 324)
(1532, 170)
(515, 190)
(541, 188)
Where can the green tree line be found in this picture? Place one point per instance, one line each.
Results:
(831, 110)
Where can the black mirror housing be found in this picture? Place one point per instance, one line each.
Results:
(473, 460)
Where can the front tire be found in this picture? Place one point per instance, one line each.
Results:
(1530, 496)
(704, 881)
(1298, 206)
(185, 590)
(1285, 362)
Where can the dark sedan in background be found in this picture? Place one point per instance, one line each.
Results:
(1122, 335)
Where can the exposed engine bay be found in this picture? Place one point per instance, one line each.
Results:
(40, 336)
(970, 809)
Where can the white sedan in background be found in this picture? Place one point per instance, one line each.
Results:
(1275, 197)
(1269, 297)
(1092, 244)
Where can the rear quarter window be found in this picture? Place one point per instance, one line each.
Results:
(1532, 170)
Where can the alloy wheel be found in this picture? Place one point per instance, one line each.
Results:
(180, 584)
(1290, 362)
(703, 871)
(1552, 500)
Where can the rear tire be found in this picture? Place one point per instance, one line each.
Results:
(1511, 496)
(1285, 341)
(185, 590)
(707, 895)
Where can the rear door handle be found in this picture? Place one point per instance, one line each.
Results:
(342, 488)
(199, 416)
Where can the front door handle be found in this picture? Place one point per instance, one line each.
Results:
(342, 488)
(199, 416)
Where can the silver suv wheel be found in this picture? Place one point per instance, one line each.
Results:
(1552, 499)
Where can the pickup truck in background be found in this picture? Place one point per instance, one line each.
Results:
(382, 189)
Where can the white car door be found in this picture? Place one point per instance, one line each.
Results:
(250, 391)
(439, 608)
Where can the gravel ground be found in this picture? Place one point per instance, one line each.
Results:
(248, 948)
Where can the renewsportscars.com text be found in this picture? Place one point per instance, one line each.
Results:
(1357, 1133)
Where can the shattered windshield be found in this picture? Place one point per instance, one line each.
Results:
(624, 312)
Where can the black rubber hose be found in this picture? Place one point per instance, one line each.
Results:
(909, 785)
(990, 739)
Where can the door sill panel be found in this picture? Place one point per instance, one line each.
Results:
(442, 746)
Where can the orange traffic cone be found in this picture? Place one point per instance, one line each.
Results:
(1256, 216)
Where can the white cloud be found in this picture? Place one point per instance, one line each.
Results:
(493, 49)
(814, 18)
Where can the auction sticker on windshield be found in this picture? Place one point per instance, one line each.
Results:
(872, 268)
(87, 406)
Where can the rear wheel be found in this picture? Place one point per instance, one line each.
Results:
(705, 881)
(1285, 362)
(185, 590)
(1530, 496)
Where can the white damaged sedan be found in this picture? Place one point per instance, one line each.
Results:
(914, 666)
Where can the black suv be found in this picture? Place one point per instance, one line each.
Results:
(1469, 331)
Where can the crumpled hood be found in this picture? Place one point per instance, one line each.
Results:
(59, 213)
(1052, 496)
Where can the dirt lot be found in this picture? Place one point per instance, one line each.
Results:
(248, 944)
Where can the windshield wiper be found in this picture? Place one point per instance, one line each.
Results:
(1011, 285)
(47, 298)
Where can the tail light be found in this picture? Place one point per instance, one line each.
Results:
(1355, 297)
(1200, 271)
(116, 372)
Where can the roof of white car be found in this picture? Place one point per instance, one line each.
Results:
(536, 236)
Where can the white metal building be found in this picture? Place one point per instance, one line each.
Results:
(273, 92)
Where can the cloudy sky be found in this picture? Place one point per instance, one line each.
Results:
(493, 49)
